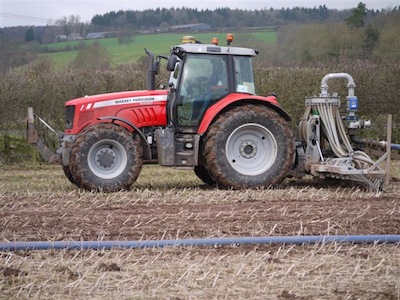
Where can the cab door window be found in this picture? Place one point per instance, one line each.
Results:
(204, 80)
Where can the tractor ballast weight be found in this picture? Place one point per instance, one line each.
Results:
(210, 120)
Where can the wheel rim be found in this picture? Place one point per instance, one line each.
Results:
(107, 159)
(251, 149)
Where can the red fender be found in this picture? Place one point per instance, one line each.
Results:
(239, 98)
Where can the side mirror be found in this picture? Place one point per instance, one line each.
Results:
(172, 60)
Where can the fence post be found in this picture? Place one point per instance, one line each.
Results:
(388, 149)
(33, 155)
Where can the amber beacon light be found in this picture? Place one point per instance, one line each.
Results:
(229, 38)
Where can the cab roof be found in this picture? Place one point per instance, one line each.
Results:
(211, 49)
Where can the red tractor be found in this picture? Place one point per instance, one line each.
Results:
(210, 120)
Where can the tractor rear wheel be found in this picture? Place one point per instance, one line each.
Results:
(106, 157)
(202, 173)
(249, 146)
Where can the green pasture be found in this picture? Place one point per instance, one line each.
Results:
(269, 37)
(157, 43)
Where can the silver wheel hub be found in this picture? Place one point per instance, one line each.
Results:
(248, 149)
(251, 149)
(107, 159)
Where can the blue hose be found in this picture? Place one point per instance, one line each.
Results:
(395, 146)
(299, 240)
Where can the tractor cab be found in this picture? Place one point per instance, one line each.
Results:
(205, 80)
(203, 74)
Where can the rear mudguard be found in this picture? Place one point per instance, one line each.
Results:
(239, 99)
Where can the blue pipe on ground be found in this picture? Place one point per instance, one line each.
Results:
(299, 240)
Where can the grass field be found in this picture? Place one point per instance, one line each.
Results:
(158, 43)
(38, 203)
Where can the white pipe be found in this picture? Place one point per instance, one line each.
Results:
(350, 83)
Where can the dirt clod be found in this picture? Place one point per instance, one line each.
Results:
(108, 267)
(10, 272)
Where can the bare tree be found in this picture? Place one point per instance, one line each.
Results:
(70, 24)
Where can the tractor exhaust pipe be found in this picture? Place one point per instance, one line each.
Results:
(151, 71)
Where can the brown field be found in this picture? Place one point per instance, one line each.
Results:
(40, 204)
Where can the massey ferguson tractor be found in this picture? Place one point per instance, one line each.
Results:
(208, 119)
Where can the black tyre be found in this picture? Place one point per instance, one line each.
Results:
(106, 157)
(249, 146)
(68, 173)
(203, 174)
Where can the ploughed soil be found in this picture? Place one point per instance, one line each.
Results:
(41, 205)
(238, 214)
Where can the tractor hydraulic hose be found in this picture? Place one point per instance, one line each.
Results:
(298, 240)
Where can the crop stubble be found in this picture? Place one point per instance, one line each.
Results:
(170, 204)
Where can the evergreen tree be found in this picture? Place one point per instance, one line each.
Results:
(29, 35)
(357, 17)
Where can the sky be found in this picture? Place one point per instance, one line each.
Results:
(40, 13)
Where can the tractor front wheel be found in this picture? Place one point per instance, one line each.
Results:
(106, 157)
(249, 146)
(68, 173)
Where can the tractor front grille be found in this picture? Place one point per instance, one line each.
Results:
(69, 119)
